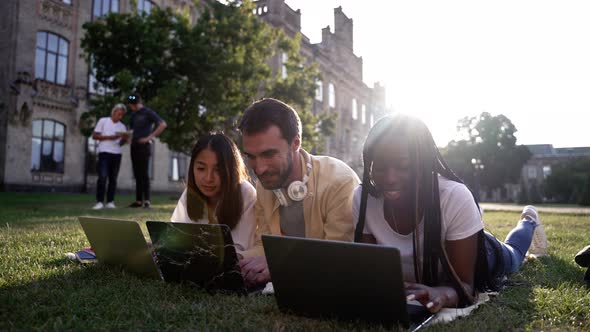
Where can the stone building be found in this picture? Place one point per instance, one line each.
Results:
(45, 86)
(341, 89)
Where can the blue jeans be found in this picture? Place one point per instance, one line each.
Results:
(513, 249)
(108, 169)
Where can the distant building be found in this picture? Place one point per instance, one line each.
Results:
(341, 89)
(534, 172)
(543, 157)
(45, 86)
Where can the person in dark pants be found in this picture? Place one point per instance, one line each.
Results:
(143, 121)
(108, 131)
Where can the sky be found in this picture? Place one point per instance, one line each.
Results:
(444, 60)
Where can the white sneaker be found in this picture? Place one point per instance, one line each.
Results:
(110, 205)
(539, 244)
(98, 206)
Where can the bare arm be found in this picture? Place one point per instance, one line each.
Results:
(462, 257)
(99, 137)
(159, 129)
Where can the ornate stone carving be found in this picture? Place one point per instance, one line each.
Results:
(56, 12)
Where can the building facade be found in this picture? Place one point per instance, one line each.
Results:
(341, 89)
(45, 86)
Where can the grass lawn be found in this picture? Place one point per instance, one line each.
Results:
(41, 290)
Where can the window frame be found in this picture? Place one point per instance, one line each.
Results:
(43, 168)
(101, 9)
(57, 54)
(141, 6)
(331, 95)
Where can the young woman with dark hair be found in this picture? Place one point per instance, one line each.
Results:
(411, 199)
(218, 191)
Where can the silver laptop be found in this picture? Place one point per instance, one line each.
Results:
(333, 279)
(120, 243)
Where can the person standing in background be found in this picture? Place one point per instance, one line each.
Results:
(108, 132)
(146, 125)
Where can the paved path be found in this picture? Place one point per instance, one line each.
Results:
(551, 209)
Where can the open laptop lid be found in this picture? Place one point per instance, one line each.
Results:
(322, 278)
(201, 254)
(120, 243)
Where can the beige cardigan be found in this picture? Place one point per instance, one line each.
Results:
(327, 208)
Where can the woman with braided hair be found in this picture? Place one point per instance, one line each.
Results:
(411, 199)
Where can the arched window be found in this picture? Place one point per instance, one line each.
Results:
(145, 6)
(103, 7)
(355, 112)
(178, 166)
(332, 95)
(284, 58)
(48, 146)
(363, 114)
(319, 91)
(51, 57)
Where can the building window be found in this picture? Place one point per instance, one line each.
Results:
(51, 58)
(546, 171)
(91, 155)
(372, 119)
(532, 172)
(103, 7)
(284, 59)
(319, 91)
(355, 112)
(177, 170)
(363, 114)
(48, 146)
(145, 6)
(331, 95)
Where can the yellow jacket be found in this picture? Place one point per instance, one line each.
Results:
(327, 208)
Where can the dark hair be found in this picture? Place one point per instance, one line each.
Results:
(266, 112)
(428, 162)
(231, 171)
(133, 99)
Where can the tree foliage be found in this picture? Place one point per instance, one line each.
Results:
(490, 141)
(198, 77)
(566, 182)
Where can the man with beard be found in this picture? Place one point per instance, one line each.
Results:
(298, 194)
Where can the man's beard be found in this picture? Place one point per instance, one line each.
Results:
(283, 176)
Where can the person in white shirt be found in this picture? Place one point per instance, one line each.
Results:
(218, 191)
(411, 199)
(109, 131)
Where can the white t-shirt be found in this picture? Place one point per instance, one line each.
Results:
(243, 232)
(460, 219)
(107, 127)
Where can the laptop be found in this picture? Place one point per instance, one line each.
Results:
(120, 243)
(344, 280)
(198, 254)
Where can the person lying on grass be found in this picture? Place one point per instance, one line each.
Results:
(410, 198)
(218, 191)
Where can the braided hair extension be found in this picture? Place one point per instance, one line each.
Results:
(429, 163)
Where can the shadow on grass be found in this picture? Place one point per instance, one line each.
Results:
(97, 297)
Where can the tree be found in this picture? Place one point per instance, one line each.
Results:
(566, 182)
(490, 140)
(198, 78)
(585, 196)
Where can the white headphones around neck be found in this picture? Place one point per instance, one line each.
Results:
(297, 190)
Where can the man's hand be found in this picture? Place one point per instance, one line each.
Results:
(143, 140)
(255, 270)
